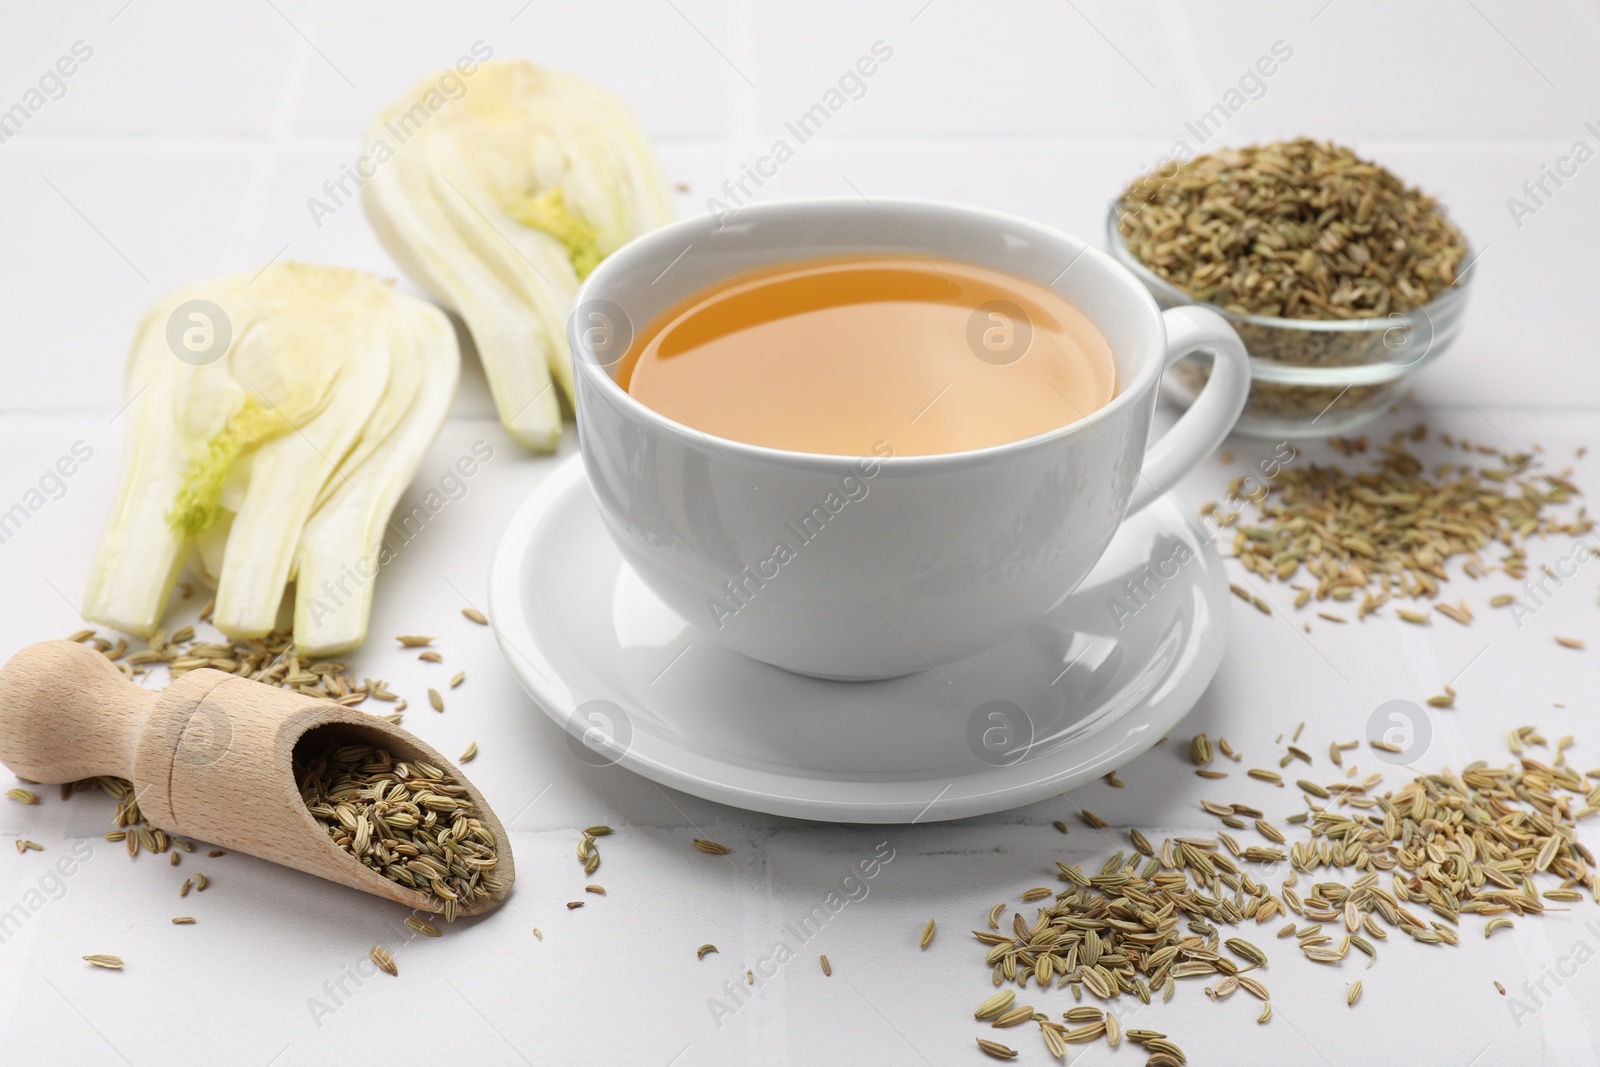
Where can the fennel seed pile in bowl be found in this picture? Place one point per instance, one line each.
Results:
(1341, 279)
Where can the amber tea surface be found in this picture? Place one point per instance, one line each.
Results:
(839, 355)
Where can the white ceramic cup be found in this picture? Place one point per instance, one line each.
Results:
(868, 568)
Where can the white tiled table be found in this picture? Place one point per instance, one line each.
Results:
(187, 145)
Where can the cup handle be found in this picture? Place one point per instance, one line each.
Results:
(1212, 415)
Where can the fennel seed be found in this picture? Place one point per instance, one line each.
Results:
(1014, 1017)
(995, 1005)
(996, 1050)
(384, 960)
(711, 848)
(475, 615)
(110, 963)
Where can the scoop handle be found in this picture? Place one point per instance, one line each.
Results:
(67, 713)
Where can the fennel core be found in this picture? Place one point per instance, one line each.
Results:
(199, 501)
(548, 212)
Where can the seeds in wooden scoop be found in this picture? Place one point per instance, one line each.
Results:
(405, 819)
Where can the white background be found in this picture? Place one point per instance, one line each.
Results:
(188, 146)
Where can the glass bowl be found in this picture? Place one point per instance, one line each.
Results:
(1311, 377)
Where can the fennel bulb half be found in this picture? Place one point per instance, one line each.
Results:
(499, 202)
(283, 454)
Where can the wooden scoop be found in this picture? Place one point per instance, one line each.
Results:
(210, 757)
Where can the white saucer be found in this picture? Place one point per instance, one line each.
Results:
(634, 684)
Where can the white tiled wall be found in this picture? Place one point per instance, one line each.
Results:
(190, 140)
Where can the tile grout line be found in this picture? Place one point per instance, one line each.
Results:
(1158, 133)
(253, 209)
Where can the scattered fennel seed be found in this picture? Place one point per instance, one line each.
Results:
(422, 926)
